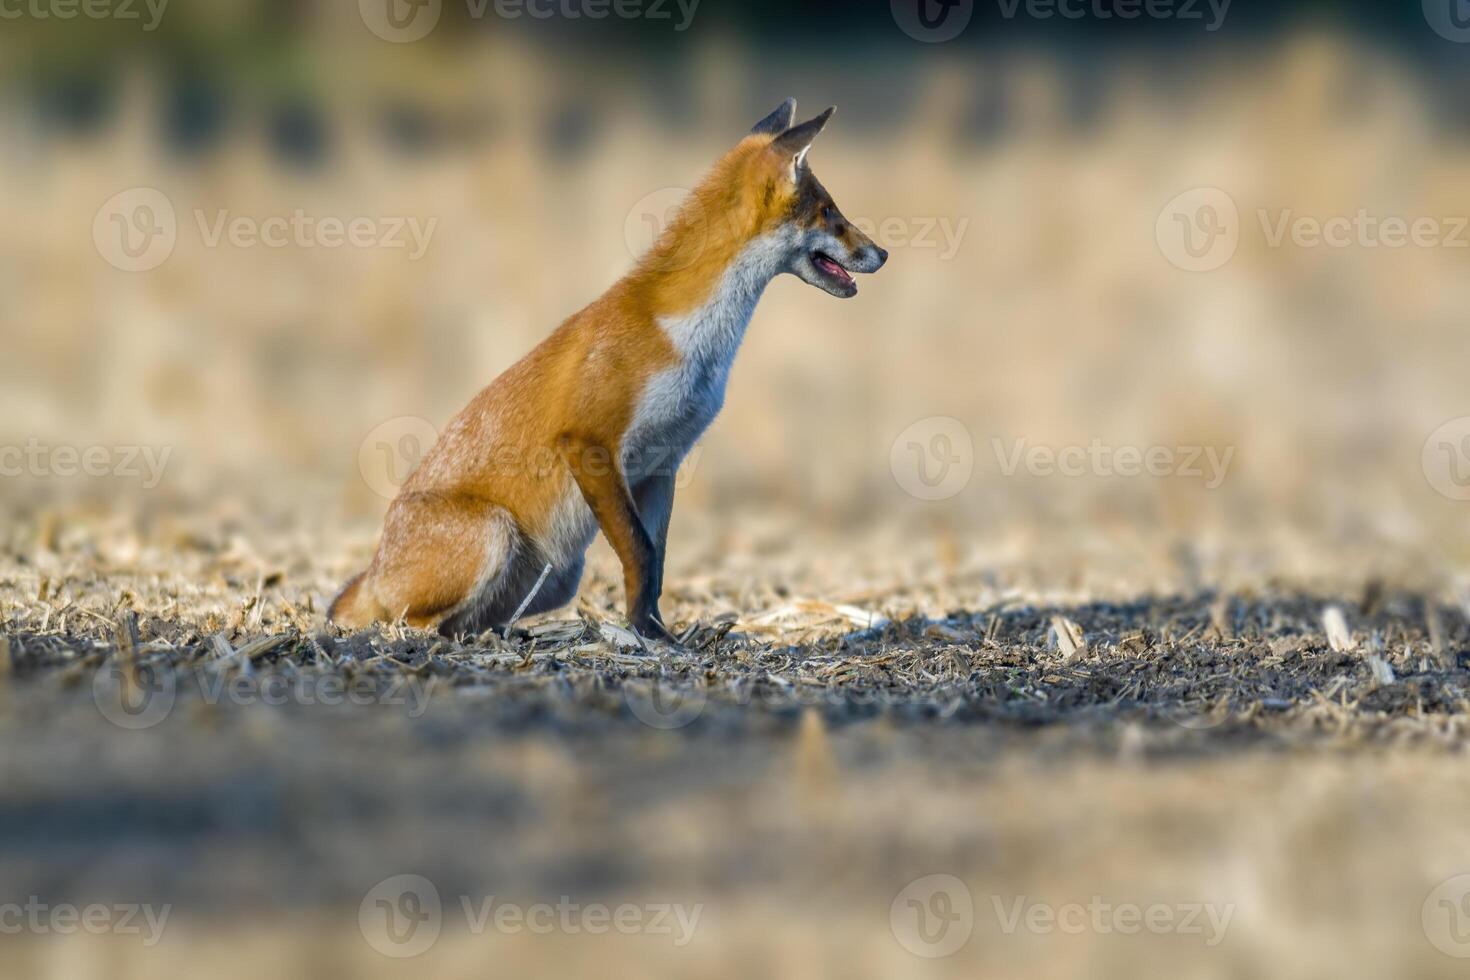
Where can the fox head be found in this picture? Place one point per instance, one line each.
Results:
(824, 248)
(763, 191)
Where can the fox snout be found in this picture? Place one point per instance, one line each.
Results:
(832, 257)
(869, 258)
(835, 247)
(863, 254)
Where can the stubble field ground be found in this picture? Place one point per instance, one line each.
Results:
(185, 732)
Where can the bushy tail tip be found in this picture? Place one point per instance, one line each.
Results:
(349, 609)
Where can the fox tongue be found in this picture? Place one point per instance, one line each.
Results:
(833, 269)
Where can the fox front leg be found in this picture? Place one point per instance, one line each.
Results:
(605, 488)
(655, 500)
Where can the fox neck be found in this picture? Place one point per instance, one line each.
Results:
(709, 333)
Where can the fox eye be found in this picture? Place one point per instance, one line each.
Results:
(828, 215)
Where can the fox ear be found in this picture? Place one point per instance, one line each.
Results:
(778, 121)
(795, 141)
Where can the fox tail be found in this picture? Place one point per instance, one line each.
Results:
(352, 608)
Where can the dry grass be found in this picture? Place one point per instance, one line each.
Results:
(790, 772)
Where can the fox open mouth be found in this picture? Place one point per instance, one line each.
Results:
(833, 269)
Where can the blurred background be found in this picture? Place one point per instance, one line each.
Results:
(1176, 304)
(501, 171)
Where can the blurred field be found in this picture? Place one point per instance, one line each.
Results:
(1054, 317)
(879, 687)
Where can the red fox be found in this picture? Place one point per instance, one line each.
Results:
(588, 429)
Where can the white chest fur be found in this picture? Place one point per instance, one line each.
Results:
(680, 402)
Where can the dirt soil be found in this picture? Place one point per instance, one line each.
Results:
(182, 729)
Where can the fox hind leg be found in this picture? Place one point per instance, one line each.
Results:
(559, 588)
(456, 563)
(494, 607)
(438, 554)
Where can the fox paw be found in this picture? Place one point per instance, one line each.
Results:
(651, 627)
